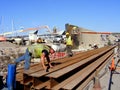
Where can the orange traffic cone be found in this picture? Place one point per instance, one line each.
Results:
(112, 65)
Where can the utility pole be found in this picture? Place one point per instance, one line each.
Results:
(1, 25)
(12, 28)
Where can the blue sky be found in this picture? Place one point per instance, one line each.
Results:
(96, 15)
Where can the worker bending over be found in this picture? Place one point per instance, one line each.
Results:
(41, 51)
(69, 44)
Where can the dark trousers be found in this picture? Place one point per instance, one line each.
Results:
(1, 82)
(69, 50)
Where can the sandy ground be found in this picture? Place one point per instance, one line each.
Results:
(8, 53)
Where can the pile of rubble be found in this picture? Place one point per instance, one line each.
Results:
(8, 53)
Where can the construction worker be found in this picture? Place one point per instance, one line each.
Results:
(69, 43)
(36, 51)
(95, 46)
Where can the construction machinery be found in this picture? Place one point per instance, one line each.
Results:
(32, 37)
(26, 30)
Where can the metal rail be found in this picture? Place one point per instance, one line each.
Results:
(68, 73)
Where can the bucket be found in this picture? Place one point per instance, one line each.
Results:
(11, 77)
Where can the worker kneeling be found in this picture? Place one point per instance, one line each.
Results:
(37, 51)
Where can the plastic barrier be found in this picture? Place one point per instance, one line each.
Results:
(11, 77)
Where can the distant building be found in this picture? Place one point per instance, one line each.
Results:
(85, 39)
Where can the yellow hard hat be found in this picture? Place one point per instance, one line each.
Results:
(74, 28)
(67, 33)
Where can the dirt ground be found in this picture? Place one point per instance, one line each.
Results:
(8, 53)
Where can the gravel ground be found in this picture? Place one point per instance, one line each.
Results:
(110, 81)
(8, 53)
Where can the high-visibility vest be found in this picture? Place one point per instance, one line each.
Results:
(36, 50)
(69, 41)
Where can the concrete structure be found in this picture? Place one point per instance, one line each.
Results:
(85, 39)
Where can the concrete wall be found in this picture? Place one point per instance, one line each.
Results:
(87, 39)
(84, 40)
